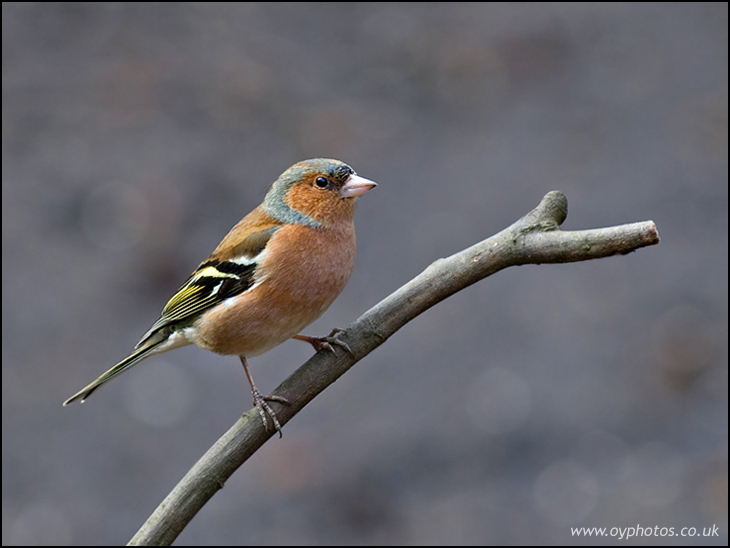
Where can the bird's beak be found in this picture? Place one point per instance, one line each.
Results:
(356, 185)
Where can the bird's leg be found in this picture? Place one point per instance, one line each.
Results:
(259, 400)
(325, 342)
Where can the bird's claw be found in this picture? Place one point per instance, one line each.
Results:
(326, 342)
(264, 409)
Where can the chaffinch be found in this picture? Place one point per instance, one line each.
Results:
(273, 274)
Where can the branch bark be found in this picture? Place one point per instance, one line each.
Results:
(534, 239)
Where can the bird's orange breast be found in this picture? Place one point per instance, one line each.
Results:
(301, 272)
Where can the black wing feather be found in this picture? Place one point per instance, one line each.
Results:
(212, 282)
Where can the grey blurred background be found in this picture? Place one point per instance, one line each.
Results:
(544, 398)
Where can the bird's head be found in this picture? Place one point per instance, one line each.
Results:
(316, 192)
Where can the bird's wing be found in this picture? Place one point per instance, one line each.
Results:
(212, 282)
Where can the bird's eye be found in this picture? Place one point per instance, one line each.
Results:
(321, 182)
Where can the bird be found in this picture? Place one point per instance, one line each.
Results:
(275, 272)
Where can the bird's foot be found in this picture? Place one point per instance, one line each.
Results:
(259, 400)
(326, 343)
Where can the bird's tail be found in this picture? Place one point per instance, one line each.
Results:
(121, 367)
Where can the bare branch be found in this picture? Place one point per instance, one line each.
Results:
(534, 239)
